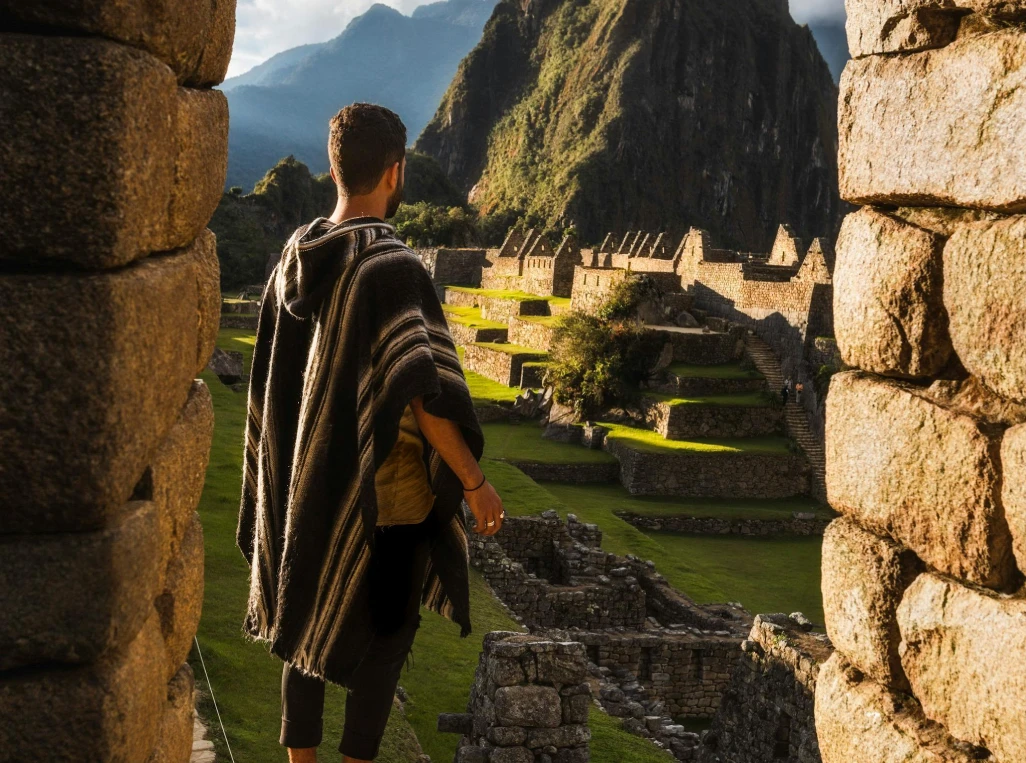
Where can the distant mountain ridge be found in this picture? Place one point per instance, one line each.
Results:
(282, 106)
(610, 115)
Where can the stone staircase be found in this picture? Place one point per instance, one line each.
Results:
(766, 361)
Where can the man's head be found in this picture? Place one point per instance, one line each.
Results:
(367, 148)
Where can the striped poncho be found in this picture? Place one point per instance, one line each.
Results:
(350, 331)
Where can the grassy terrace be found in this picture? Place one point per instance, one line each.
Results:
(524, 443)
(522, 296)
(246, 680)
(740, 400)
(509, 349)
(653, 442)
(541, 320)
(470, 316)
(720, 371)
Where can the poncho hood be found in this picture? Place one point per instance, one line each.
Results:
(312, 263)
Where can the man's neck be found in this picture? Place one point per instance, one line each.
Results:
(358, 206)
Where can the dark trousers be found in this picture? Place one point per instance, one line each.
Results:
(396, 576)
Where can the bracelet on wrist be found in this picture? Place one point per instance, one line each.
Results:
(479, 485)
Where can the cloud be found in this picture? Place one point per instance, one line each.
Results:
(811, 11)
(266, 27)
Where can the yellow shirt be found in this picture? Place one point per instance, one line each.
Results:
(401, 482)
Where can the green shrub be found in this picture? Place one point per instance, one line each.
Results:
(627, 296)
(598, 361)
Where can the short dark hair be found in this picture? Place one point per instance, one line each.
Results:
(364, 141)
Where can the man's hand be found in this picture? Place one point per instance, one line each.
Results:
(487, 509)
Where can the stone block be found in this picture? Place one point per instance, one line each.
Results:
(568, 735)
(511, 755)
(505, 671)
(181, 603)
(984, 280)
(174, 741)
(1013, 489)
(113, 109)
(566, 665)
(528, 706)
(864, 577)
(964, 652)
(915, 129)
(177, 473)
(888, 296)
(71, 597)
(455, 723)
(100, 365)
(201, 162)
(859, 720)
(575, 708)
(193, 37)
(507, 736)
(929, 477)
(893, 26)
(208, 284)
(109, 710)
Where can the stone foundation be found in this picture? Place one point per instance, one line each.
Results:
(686, 421)
(499, 366)
(710, 475)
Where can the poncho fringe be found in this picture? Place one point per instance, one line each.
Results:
(350, 331)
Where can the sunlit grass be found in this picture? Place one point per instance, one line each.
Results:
(653, 442)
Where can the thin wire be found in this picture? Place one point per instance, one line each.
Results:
(210, 687)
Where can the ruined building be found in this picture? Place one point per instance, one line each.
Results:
(113, 161)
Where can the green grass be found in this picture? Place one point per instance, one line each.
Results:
(246, 679)
(613, 497)
(653, 442)
(524, 442)
(241, 340)
(521, 296)
(766, 574)
(536, 364)
(739, 400)
(470, 316)
(720, 371)
(541, 320)
(509, 349)
(485, 390)
(521, 495)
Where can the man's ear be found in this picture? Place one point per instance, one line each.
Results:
(334, 177)
(394, 176)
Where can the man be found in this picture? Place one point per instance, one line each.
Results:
(361, 444)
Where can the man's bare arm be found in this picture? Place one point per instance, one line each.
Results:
(445, 437)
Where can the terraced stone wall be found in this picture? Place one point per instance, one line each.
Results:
(453, 266)
(923, 574)
(686, 421)
(767, 712)
(113, 160)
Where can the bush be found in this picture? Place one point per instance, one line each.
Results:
(627, 296)
(599, 361)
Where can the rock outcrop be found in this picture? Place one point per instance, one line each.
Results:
(636, 113)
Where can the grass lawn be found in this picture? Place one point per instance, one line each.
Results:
(246, 679)
(653, 442)
(524, 442)
(541, 320)
(613, 497)
(470, 316)
(773, 574)
(719, 371)
(522, 296)
(509, 349)
(241, 340)
(485, 390)
(740, 400)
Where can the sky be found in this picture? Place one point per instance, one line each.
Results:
(266, 27)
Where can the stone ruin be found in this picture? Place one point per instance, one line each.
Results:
(926, 440)
(113, 161)
(529, 703)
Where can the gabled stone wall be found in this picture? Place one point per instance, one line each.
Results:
(113, 160)
(923, 574)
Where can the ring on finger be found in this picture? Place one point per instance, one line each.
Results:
(490, 524)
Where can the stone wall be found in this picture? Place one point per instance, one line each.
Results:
(528, 333)
(685, 421)
(575, 474)
(529, 703)
(710, 475)
(922, 577)
(767, 712)
(800, 524)
(453, 266)
(503, 367)
(592, 285)
(110, 288)
(702, 347)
